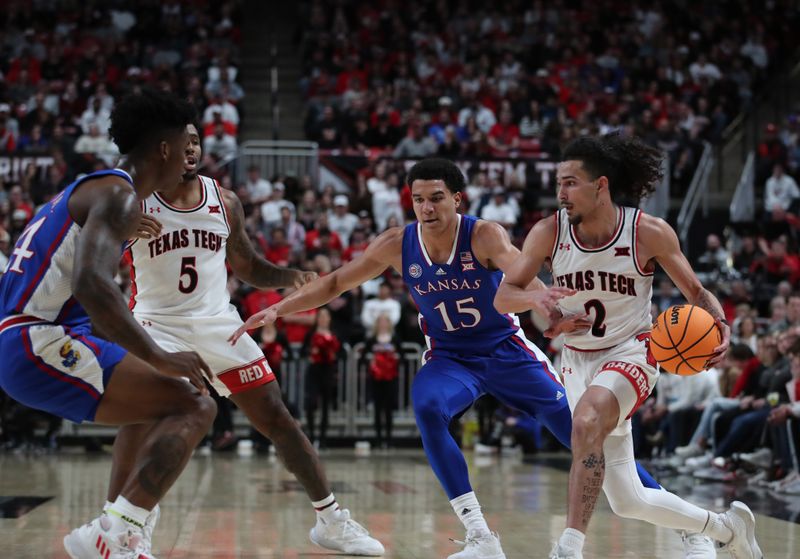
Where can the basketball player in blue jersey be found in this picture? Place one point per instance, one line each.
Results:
(608, 252)
(452, 265)
(60, 282)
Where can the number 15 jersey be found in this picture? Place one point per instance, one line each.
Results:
(455, 299)
(182, 272)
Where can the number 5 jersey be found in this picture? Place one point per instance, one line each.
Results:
(182, 271)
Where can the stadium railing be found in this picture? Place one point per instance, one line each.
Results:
(351, 412)
(280, 157)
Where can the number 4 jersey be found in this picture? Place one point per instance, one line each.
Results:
(613, 287)
(38, 278)
(456, 298)
(182, 272)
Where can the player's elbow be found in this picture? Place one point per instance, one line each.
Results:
(88, 287)
(501, 302)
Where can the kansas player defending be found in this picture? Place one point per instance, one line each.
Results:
(61, 277)
(607, 253)
(179, 295)
(452, 265)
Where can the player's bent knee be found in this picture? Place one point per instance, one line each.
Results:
(428, 409)
(201, 407)
(625, 504)
(587, 428)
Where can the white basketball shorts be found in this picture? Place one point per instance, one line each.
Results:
(236, 368)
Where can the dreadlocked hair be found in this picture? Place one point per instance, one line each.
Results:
(632, 167)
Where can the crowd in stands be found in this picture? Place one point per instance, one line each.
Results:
(470, 79)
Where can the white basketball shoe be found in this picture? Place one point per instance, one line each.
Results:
(479, 545)
(560, 552)
(739, 518)
(105, 537)
(698, 546)
(147, 531)
(346, 535)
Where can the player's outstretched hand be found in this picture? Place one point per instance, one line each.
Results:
(722, 348)
(544, 301)
(303, 278)
(568, 324)
(256, 321)
(187, 364)
(148, 228)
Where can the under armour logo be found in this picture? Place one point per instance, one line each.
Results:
(146, 323)
(566, 370)
(563, 246)
(154, 210)
(622, 251)
(213, 209)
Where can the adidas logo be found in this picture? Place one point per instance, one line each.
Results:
(465, 511)
(441, 272)
(559, 395)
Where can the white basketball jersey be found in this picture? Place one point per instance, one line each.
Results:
(182, 272)
(613, 288)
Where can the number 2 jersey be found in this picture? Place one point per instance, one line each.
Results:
(613, 288)
(456, 299)
(182, 272)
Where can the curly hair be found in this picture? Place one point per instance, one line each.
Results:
(632, 167)
(435, 168)
(142, 119)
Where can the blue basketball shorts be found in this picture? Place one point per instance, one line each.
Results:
(55, 368)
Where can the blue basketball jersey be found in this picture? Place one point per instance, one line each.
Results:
(38, 278)
(456, 298)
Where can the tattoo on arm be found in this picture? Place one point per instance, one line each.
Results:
(111, 220)
(707, 301)
(247, 264)
(591, 491)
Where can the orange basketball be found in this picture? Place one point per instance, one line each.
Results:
(683, 339)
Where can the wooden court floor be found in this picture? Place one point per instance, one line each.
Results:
(230, 507)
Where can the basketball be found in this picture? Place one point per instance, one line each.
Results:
(683, 339)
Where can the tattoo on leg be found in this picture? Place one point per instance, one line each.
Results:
(591, 490)
(163, 464)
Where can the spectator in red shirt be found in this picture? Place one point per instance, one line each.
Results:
(504, 135)
(778, 264)
(279, 252)
(358, 244)
(258, 300)
(322, 240)
(322, 349)
(384, 368)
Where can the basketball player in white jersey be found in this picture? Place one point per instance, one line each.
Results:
(179, 295)
(607, 252)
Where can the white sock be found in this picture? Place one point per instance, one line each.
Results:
(326, 508)
(127, 511)
(469, 512)
(107, 506)
(572, 539)
(716, 530)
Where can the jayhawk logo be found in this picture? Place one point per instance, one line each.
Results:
(69, 356)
